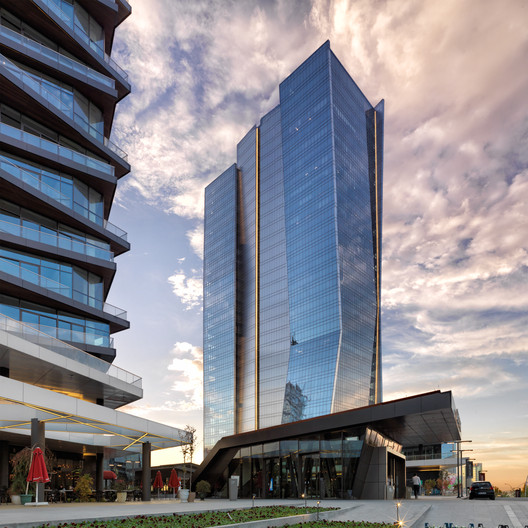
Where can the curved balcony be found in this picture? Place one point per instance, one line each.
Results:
(61, 242)
(56, 195)
(29, 333)
(18, 270)
(58, 58)
(55, 148)
(67, 108)
(64, 334)
(80, 32)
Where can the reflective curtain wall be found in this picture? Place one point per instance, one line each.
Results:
(319, 466)
(307, 276)
(219, 306)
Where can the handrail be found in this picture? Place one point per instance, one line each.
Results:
(428, 457)
(57, 149)
(36, 85)
(42, 339)
(62, 289)
(85, 37)
(57, 57)
(62, 242)
(30, 276)
(38, 184)
(65, 334)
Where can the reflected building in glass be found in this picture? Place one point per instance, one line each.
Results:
(292, 260)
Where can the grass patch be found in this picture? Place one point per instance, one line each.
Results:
(219, 518)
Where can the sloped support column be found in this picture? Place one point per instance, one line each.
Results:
(38, 439)
(145, 474)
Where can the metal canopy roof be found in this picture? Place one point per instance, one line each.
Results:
(429, 418)
(76, 422)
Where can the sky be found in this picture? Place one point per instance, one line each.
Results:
(454, 78)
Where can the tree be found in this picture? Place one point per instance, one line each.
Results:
(188, 448)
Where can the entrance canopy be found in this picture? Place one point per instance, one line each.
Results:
(429, 418)
(76, 422)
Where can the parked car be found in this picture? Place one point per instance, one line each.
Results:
(482, 490)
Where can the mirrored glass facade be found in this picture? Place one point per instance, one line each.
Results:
(304, 207)
(58, 175)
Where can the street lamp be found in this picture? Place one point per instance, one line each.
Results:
(459, 462)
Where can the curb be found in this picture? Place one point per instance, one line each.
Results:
(264, 523)
(286, 521)
(420, 521)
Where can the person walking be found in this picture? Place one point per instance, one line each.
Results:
(416, 485)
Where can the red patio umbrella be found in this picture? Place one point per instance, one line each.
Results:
(174, 482)
(158, 482)
(109, 475)
(37, 469)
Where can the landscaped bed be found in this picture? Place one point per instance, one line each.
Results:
(219, 518)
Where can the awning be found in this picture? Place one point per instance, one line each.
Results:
(68, 419)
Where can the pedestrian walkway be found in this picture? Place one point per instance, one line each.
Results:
(415, 513)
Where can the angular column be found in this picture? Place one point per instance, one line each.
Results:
(38, 439)
(4, 465)
(145, 474)
(99, 474)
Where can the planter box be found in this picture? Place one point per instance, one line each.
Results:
(15, 499)
(26, 498)
(183, 494)
(121, 496)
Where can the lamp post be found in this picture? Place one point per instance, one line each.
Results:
(459, 462)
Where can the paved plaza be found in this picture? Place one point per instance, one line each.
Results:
(415, 513)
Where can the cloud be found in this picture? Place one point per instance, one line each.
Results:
(196, 90)
(455, 257)
(187, 365)
(187, 289)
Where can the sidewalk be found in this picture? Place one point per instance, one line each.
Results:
(415, 513)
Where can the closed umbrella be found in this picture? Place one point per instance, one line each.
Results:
(158, 482)
(37, 469)
(174, 482)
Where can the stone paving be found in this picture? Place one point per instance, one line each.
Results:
(415, 513)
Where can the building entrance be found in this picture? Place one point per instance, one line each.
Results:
(311, 474)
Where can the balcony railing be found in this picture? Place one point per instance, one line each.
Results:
(56, 57)
(65, 334)
(55, 148)
(33, 335)
(18, 270)
(62, 242)
(36, 183)
(429, 457)
(79, 31)
(67, 108)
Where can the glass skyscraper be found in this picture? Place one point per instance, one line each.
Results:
(292, 259)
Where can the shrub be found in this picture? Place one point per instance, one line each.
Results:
(83, 488)
(203, 487)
